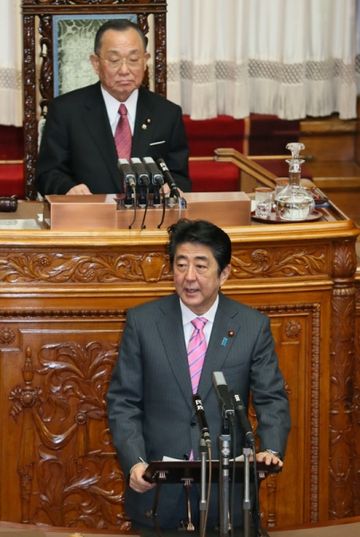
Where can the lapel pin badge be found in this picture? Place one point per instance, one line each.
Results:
(224, 341)
(231, 333)
(144, 126)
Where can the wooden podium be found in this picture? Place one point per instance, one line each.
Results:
(64, 294)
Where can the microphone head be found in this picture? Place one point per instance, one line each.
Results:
(157, 177)
(219, 379)
(223, 393)
(127, 173)
(142, 175)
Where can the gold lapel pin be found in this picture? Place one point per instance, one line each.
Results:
(144, 126)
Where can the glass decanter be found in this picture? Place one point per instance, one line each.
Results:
(294, 202)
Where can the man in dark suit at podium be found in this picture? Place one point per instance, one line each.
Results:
(79, 150)
(150, 407)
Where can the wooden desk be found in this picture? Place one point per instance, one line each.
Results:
(63, 302)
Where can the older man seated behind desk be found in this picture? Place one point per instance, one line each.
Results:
(78, 153)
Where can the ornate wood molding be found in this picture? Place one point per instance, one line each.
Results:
(111, 266)
(276, 261)
(341, 471)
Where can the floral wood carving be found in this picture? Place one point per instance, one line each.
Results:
(7, 335)
(344, 264)
(67, 467)
(342, 366)
(341, 393)
(104, 267)
(356, 409)
(278, 262)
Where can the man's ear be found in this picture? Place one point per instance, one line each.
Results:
(94, 60)
(225, 273)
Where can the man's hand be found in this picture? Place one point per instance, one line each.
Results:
(269, 458)
(78, 190)
(136, 481)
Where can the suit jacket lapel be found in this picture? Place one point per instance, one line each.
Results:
(220, 343)
(143, 125)
(171, 333)
(97, 123)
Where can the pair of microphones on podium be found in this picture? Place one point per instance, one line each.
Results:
(144, 176)
(231, 405)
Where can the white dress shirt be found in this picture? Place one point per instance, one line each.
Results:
(112, 108)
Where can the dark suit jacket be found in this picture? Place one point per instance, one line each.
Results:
(150, 405)
(77, 144)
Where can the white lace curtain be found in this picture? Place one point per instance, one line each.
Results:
(11, 112)
(290, 58)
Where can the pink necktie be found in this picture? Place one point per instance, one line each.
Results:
(196, 351)
(123, 136)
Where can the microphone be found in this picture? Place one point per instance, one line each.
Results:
(127, 172)
(157, 177)
(223, 392)
(129, 180)
(142, 180)
(245, 426)
(200, 414)
(174, 193)
(142, 175)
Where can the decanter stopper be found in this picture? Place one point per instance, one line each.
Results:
(295, 148)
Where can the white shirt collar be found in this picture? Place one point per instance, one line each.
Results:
(188, 315)
(112, 108)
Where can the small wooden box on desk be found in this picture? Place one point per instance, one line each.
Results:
(100, 211)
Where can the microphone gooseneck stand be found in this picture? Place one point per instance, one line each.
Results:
(224, 474)
(247, 501)
(256, 511)
(205, 485)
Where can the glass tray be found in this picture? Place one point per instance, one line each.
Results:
(273, 218)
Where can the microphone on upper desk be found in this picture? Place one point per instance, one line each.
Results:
(223, 393)
(245, 426)
(156, 175)
(157, 178)
(142, 180)
(129, 179)
(200, 414)
(174, 192)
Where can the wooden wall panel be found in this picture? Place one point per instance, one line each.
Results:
(61, 464)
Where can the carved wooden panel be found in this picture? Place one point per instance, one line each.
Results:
(61, 469)
(296, 330)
